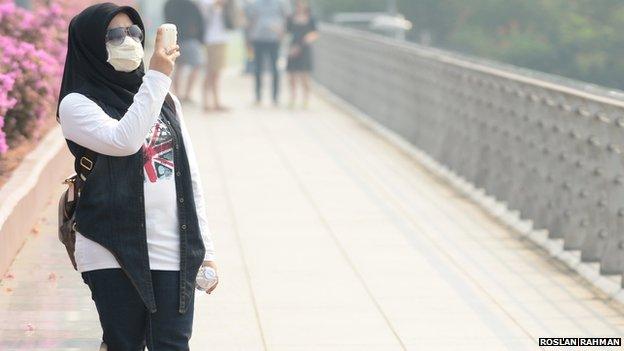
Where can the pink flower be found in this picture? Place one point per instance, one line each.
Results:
(33, 46)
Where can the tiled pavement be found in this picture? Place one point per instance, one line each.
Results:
(328, 238)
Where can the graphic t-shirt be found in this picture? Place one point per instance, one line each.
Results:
(158, 153)
(161, 221)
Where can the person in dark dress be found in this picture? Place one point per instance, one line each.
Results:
(302, 28)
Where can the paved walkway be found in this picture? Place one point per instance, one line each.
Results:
(328, 238)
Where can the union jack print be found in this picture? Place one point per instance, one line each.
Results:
(158, 152)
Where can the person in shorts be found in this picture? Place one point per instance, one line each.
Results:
(187, 17)
(217, 14)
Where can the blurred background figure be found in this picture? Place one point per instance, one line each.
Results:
(220, 16)
(248, 63)
(266, 27)
(302, 28)
(187, 17)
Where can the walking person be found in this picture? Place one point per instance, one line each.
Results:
(302, 27)
(219, 17)
(141, 227)
(186, 15)
(266, 21)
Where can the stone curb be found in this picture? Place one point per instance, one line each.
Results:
(27, 191)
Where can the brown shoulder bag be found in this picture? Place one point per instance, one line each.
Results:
(68, 201)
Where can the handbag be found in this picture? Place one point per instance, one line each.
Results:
(67, 204)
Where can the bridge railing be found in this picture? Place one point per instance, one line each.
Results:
(547, 147)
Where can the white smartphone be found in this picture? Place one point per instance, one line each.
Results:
(170, 35)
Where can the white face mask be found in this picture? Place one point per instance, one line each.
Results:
(125, 57)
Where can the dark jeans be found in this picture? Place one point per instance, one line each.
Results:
(266, 50)
(127, 324)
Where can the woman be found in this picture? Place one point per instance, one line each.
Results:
(141, 229)
(186, 15)
(221, 16)
(218, 17)
(302, 26)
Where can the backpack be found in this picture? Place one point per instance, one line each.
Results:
(68, 201)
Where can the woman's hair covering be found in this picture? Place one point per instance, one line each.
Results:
(86, 70)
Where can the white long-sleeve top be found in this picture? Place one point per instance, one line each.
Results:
(142, 127)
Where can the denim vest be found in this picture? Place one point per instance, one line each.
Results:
(111, 212)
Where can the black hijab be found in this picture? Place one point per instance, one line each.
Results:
(86, 70)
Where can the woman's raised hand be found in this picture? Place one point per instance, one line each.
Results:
(163, 59)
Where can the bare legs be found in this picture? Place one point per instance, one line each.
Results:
(292, 80)
(212, 89)
(303, 78)
(190, 82)
(212, 80)
(305, 83)
(175, 84)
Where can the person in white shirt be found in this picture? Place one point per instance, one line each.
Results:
(145, 128)
(216, 37)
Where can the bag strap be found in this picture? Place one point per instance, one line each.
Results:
(87, 161)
